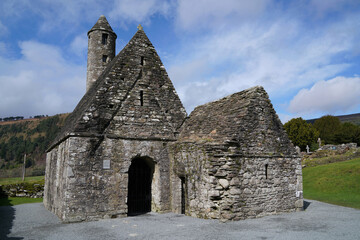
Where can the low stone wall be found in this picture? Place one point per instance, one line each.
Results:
(340, 147)
(31, 190)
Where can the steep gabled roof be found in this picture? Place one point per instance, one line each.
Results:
(246, 119)
(136, 68)
(102, 24)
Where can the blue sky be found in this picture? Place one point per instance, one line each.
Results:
(305, 53)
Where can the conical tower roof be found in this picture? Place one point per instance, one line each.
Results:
(102, 24)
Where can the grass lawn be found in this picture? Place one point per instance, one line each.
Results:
(6, 181)
(336, 183)
(11, 201)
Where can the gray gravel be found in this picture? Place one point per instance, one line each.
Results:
(318, 221)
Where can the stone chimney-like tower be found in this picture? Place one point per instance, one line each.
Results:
(101, 49)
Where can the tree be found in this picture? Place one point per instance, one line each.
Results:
(301, 133)
(328, 126)
(348, 133)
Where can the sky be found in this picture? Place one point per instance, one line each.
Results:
(305, 53)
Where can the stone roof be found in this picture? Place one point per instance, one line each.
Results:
(102, 24)
(245, 119)
(111, 105)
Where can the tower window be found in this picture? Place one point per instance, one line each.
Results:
(104, 38)
(141, 98)
(104, 58)
(142, 61)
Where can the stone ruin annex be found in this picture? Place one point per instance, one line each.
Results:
(130, 148)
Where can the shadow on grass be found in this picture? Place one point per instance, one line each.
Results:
(7, 213)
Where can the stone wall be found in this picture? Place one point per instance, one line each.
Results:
(56, 177)
(30, 190)
(229, 186)
(237, 160)
(340, 147)
(92, 192)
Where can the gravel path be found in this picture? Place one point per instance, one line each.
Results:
(318, 221)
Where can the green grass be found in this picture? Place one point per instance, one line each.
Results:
(11, 201)
(6, 181)
(336, 183)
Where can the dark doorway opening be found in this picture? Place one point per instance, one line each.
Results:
(139, 187)
(183, 188)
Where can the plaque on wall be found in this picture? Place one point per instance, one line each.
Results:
(106, 164)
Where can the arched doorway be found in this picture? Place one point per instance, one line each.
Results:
(139, 186)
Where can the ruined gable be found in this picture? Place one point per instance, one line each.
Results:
(246, 119)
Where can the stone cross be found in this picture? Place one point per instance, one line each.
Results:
(319, 141)
(140, 27)
(307, 149)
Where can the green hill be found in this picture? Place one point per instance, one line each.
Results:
(30, 136)
(351, 118)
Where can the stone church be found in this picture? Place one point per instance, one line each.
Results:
(129, 147)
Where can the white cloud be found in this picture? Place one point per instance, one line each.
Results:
(2, 48)
(55, 15)
(337, 95)
(321, 8)
(79, 45)
(138, 10)
(282, 56)
(69, 15)
(3, 29)
(193, 15)
(284, 118)
(40, 82)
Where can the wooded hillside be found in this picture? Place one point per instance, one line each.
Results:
(30, 136)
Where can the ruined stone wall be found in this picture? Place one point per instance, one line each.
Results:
(228, 186)
(89, 191)
(55, 178)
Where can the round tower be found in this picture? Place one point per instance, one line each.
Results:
(101, 49)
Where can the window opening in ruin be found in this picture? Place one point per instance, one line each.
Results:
(104, 58)
(266, 171)
(142, 61)
(141, 98)
(183, 187)
(139, 187)
(104, 38)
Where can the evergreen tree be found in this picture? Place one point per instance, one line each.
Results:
(301, 133)
(328, 126)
